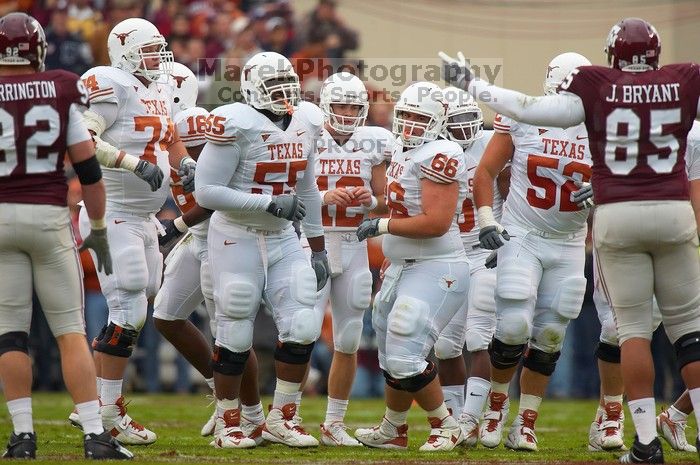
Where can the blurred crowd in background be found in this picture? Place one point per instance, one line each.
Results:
(210, 37)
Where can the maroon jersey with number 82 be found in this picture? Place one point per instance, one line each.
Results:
(637, 126)
(34, 117)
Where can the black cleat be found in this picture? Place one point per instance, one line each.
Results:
(104, 446)
(641, 453)
(21, 446)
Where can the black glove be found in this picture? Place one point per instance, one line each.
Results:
(97, 242)
(491, 260)
(584, 196)
(319, 262)
(186, 173)
(368, 228)
(150, 173)
(287, 206)
(490, 237)
(456, 70)
(172, 234)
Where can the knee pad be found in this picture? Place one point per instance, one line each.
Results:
(608, 352)
(118, 341)
(540, 362)
(239, 297)
(391, 381)
(293, 353)
(14, 341)
(504, 356)
(305, 327)
(421, 380)
(347, 341)
(407, 316)
(302, 284)
(155, 275)
(131, 269)
(228, 363)
(688, 349)
(569, 297)
(133, 307)
(447, 348)
(513, 283)
(234, 335)
(360, 291)
(608, 333)
(549, 337)
(513, 327)
(99, 337)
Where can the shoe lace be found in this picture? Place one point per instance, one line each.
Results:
(492, 418)
(122, 404)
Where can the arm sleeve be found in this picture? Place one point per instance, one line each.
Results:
(561, 110)
(77, 131)
(108, 111)
(307, 191)
(215, 168)
(692, 153)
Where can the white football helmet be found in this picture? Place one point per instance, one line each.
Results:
(464, 117)
(421, 98)
(560, 67)
(269, 82)
(185, 87)
(126, 43)
(344, 88)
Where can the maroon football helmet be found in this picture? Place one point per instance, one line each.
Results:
(22, 41)
(631, 42)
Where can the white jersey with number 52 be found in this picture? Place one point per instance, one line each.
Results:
(349, 166)
(143, 128)
(440, 161)
(546, 163)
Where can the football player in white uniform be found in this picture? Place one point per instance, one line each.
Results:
(428, 278)
(187, 279)
(131, 118)
(257, 173)
(476, 320)
(540, 282)
(351, 175)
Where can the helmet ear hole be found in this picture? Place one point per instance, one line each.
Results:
(176, 99)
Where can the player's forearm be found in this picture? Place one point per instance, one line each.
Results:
(94, 198)
(483, 187)
(423, 226)
(381, 208)
(307, 191)
(111, 157)
(216, 197)
(177, 152)
(561, 110)
(317, 243)
(196, 215)
(695, 200)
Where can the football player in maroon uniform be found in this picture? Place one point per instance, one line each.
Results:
(637, 116)
(39, 122)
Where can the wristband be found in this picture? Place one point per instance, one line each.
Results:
(180, 224)
(383, 226)
(373, 204)
(323, 197)
(99, 223)
(485, 217)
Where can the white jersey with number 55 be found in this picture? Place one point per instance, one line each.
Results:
(349, 166)
(439, 161)
(271, 161)
(143, 127)
(545, 165)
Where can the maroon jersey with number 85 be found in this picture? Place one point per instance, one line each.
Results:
(637, 126)
(34, 118)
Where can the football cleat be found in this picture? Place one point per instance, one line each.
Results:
(673, 431)
(252, 430)
(384, 436)
(103, 446)
(335, 434)
(229, 434)
(74, 419)
(606, 432)
(122, 427)
(491, 429)
(522, 432)
(445, 434)
(21, 446)
(281, 427)
(209, 426)
(470, 430)
(640, 453)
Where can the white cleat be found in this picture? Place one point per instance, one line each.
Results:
(606, 432)
(74, 419)
(384, 436)
(522, 432)
(335, 434)
(445, 434)
(470, 430)
(280, 427)
(491, 429)
(229, 434)
(210, 425)
(122, 427)
(673, 432)
(253, 430)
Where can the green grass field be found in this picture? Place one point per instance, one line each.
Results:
(562, 432)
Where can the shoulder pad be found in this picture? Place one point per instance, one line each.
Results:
(104, 84)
